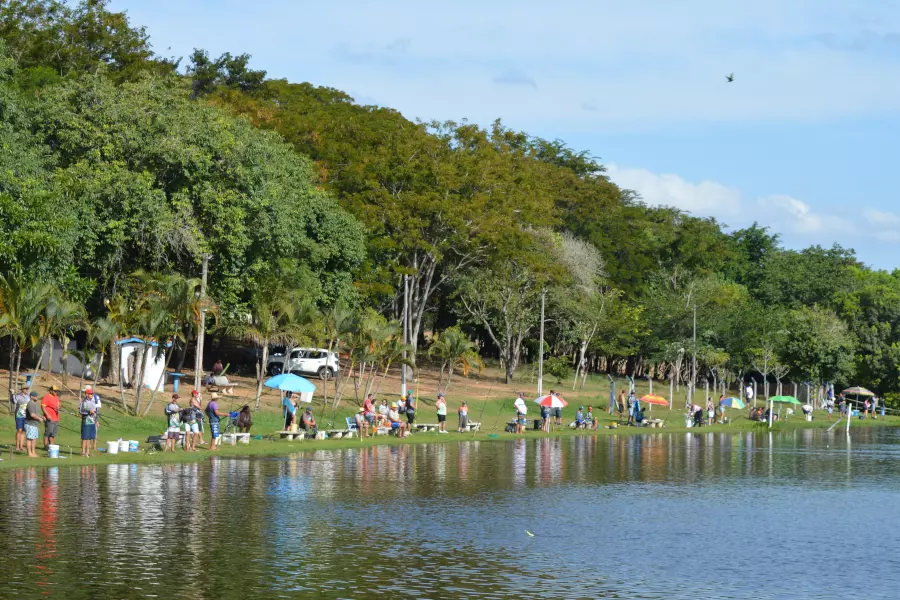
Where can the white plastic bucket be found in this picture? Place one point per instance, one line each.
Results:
(132, 445)
(123, 445)
(112, 447)
(53, 451)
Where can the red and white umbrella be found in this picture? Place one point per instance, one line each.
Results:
(551, 401)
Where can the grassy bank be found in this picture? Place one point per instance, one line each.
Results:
(489, 400)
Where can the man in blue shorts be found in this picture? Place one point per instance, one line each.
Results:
(396, 424)
(21, 402)
(88, 411)
(214, 416)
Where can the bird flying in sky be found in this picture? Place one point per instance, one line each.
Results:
(729, 78)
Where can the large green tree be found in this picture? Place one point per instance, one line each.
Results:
(155, 181)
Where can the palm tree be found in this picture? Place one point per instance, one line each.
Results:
(273, 313)
(337, 324)
(62, 318)
(189, 307)
(22, 305)
(455, 351)
(122, 318)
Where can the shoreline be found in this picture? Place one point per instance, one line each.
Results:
(276, 448)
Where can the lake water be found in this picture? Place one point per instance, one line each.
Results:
(796, 515)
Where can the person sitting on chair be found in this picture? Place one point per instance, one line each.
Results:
(308, 422)
(362, 424)
(245, 420)
(589, 418)
(397, 425)
(579, 418)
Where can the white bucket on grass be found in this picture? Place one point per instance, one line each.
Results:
(123, 445)
(53, 451)
(112, 447)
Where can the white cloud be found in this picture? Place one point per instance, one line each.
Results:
(881, 218)
(888, 237)
(785, 214)
(708, 198)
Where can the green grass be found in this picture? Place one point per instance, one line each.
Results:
(491, 410)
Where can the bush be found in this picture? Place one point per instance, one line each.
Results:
(558, 367)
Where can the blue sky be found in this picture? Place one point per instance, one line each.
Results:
(803, 141)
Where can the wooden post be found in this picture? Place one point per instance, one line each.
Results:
(650, 380)
(755, 393)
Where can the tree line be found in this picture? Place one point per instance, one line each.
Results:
(338, 223)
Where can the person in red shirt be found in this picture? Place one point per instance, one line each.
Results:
(50, 408)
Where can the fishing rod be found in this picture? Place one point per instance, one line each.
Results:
(483, 405)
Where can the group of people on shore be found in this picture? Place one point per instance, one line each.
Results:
(191, 419)
(182, 423)
(371, 416)
(31, 412)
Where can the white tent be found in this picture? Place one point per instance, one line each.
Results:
(156, 362)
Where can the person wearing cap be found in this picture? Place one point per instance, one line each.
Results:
(521, 413)
(33, 418)
(580, 423)
(214, 416)
(189, 417)
(589, 418)
(89, 391)
(50, 409)
(21, 401)
(88, 411)
(362, 424)
(308, 422)
(173, 415)
(396, 424)
(441, 407)
(410, 409)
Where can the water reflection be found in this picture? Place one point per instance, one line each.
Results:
(623, 516)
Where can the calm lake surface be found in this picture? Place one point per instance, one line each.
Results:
(795, 515)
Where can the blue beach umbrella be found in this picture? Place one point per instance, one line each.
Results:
(288, 382)
(732, 402)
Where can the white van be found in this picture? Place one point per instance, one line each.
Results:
(311, 361)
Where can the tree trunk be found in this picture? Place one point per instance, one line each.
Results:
(12, 390)
(261, 371)
(136, 358)
(99, 368)
(115, 363)
(182, 355)
(449, 377)
(159, 382)
(139, 379)
(340, 393)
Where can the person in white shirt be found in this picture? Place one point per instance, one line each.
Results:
(749, 392)
(396, 424)
(521, 413)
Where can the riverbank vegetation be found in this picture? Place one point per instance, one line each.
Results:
(331, 224)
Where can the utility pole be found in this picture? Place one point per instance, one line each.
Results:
(694, 358)
(405, 332)
(201, 330)
(541, 351)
